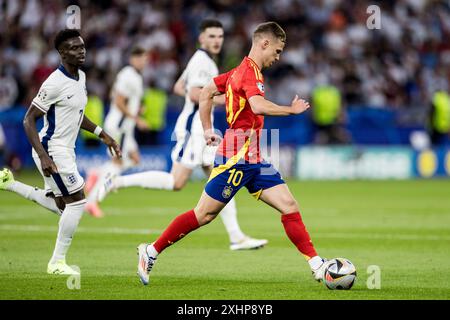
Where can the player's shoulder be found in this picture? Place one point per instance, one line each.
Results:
(128, 72)
(201, 58)
(54, 81)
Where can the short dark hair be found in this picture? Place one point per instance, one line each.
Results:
(64, 35)
(137, 51)
(209, 23)
(271, 28)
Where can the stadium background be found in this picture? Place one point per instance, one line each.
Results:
(386, 77)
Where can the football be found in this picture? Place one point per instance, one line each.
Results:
(340, 274)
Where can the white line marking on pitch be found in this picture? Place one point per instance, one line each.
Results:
(127, 231)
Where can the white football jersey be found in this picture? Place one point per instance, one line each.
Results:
(130, 84)
(200, 70)
(63, 99)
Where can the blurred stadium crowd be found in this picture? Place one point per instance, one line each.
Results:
(398, 66)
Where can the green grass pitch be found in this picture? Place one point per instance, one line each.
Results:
(401, 226)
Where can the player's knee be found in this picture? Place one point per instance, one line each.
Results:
(207, 218)
(204, 215)
(290, 205)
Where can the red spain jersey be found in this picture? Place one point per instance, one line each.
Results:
(242, 137)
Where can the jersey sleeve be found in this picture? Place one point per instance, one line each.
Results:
(221, 81)
(48, 95)
(252, 85)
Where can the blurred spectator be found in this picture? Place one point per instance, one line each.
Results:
(439, 121)
(399, 66)
(328, 116)
(8, 90)
(154, 113)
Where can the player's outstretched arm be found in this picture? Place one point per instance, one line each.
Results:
(29, 124)
(265, 107)
(206, 101)
(88, 125)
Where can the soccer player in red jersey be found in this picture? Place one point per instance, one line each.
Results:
(238, 159)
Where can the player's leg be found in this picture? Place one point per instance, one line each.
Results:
(184, 160)
(206, 210)
(109, 171)
(67, 186)
(280, 198)
(68, 223)
(106, 185)
(214, 198)
(40, 196)
(238, 240)
(160, 180)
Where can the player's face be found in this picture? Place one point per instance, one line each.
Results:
(139, 61)
(272, 51)
(73, 51)
(212, 39)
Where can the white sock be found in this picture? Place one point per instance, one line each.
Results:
(34, 194)
(108, 170)
(68, 223)
(149, 179)
(229, 219)
(151, 251)
(315, 262)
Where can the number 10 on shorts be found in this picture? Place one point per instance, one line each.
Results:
(235, 177)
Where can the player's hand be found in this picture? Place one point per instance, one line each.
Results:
(142, 124)
(113, 147)
(299, 105)
(212, 139)
(48, 166)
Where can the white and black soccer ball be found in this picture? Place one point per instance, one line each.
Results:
(340, 274)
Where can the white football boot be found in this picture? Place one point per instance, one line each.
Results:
(61, 267)
(318, 273)
(145, 263)
(248, 243)
(107, 187)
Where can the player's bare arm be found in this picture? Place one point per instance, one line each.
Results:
(194, 95)
(121, 102)
(29, 124)
(114, 148)
(179, 87)
(219, 100)
(265, 107)
(206, 102)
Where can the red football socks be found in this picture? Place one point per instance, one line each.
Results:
(177, 229)
(297, 233)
